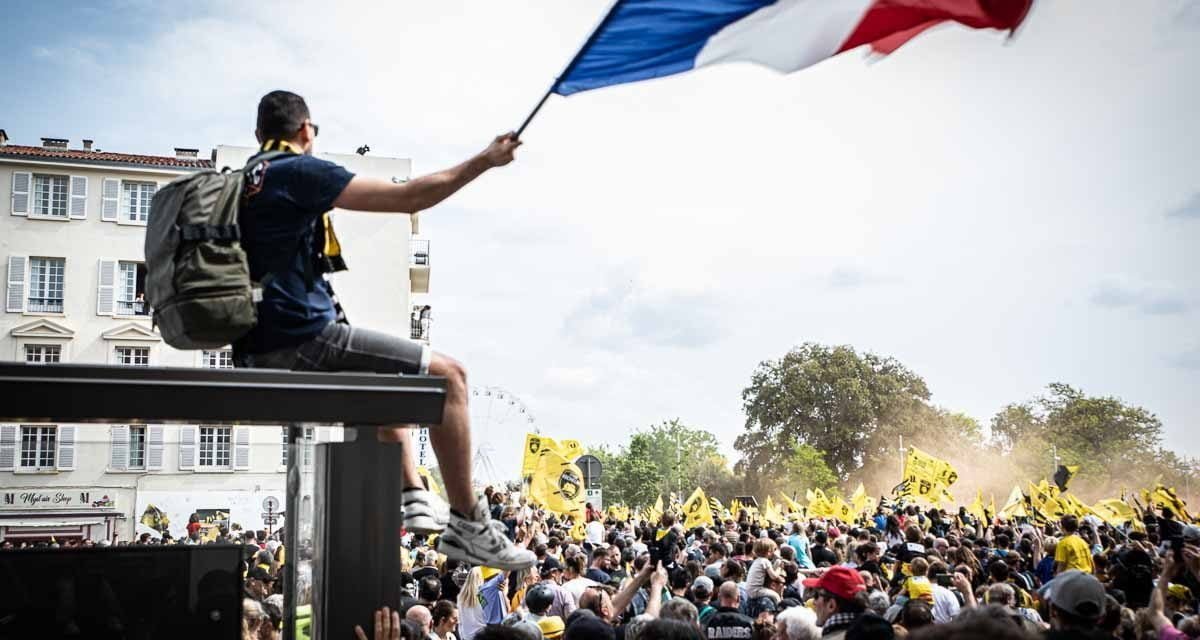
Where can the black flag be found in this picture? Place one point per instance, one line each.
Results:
(1063, 476)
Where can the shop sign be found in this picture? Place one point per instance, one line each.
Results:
(55, 499)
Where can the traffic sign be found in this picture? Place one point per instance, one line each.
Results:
(270, 518)
(270, 503)
(592, 469)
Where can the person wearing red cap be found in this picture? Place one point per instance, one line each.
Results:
(838, 598)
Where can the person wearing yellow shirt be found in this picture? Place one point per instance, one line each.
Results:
(1072, 551)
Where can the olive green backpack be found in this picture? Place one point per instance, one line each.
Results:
(197, 278)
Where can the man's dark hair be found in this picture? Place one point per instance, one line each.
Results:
(855, 604)
(821, 537)
(864, 550)
(1070, 524)
(915, 614)
(599, 553)
(429, 589)
(667, 629)
(280, 115)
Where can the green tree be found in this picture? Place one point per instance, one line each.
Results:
(665, 457)
(1114, 443)
(834, 399)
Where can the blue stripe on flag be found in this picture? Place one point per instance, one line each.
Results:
(645, 39)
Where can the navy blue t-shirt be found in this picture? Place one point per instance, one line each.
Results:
(283, 203)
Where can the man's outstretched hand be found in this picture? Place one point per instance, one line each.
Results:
(500, 151)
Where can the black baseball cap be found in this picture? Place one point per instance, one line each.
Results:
(258, 573)
(549, 564)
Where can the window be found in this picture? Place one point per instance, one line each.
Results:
(135, 200)
(216, 447)
(46, 285)
(131, 289)
(222, 359)
(306, 442)
(43, 353)
(37, 447)
(137, 448)
(133, 356)
(50, 196)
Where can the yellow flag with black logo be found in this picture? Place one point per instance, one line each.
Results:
(696, 510)
(926, 476)
(534, 443)
(557, 485)
(570, 449)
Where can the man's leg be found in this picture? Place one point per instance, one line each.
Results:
(403, 435)
(452, 439)
(471, 535)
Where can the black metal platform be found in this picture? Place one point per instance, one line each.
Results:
(357, 505)
(97, 393)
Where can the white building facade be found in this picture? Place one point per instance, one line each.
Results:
(72, 227)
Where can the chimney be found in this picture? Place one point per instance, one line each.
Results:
(54, 143)
(3, 137)
(87, 144)
(180, 152)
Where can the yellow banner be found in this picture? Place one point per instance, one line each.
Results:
(557, 485)
(696, 510)
(926, 476)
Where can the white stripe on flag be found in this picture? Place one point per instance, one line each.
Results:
(787, 35)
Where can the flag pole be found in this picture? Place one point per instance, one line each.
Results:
(570, 66)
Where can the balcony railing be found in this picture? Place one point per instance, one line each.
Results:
(420, 329)
(45, 305)
(418, 253)
(132, 308)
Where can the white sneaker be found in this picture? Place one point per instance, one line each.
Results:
(476, 540)
(424, 512)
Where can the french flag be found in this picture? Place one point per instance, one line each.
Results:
(643, 39)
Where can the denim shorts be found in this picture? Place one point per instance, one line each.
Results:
(341, 347)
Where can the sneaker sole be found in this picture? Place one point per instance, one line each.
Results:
(423, 525)
(452, 550)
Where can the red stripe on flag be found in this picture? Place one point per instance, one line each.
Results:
(888, 24)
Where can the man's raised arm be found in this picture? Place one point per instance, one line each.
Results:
(373, 194)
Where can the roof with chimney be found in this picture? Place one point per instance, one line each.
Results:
(45, 153)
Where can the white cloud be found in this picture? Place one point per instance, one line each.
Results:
(1153, 298)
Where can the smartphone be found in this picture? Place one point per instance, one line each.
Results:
(945, 580)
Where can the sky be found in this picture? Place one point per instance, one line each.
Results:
(997, 214)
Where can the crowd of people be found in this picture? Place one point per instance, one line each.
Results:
(911, 572)
(894, 574)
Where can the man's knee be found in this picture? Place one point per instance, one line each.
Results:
(449, 368)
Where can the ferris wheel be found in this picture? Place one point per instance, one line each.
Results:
(499, 419)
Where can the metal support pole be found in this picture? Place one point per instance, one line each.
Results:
(291, 530)
(357, 518)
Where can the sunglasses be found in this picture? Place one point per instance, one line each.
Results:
(315, 126)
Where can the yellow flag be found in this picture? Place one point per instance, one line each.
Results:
(1014, 507)
(925, 474)
(578, 532)
(557, 485)
(534, 445)
(1163, 497)
(841, 510)
(570, 449)
(858, 499)
(1114, 511)
(696, 510)
(976, 507)
(792, 505)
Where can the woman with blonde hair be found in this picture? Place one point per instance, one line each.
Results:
(481, 601)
